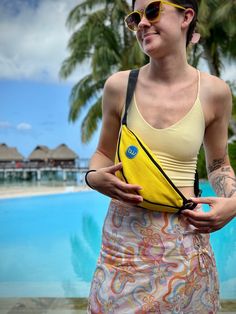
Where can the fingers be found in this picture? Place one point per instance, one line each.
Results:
(203, 200)
(196, 216)
(207, 224)
(128, 197)
(204, 230)
(128, 187)
(114, 168)
(219, 215)
(199, 223)
(128, 192)
(209, 229)
(125, 192)
(202, 226)
(105, 182)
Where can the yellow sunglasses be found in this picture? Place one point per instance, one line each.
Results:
(151, 12)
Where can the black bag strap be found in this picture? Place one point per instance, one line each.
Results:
(197, 190)
(133, 77)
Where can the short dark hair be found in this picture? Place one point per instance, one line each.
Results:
(193, 4)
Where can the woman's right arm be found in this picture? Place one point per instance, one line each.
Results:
(103, 179)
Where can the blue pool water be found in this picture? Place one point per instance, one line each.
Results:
(49, 245)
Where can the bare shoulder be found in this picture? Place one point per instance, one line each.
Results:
(216, 100)
(117, 80)
(216, 92)
(115, 91)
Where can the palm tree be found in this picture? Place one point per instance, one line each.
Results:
(218, 31)
(103, 41)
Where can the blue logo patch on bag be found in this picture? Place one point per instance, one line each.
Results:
(131, 152)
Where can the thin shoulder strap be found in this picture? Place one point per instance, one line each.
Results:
(199, 83)
(133, 76)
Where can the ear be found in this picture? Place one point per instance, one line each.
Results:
(188, 17)
(195, 38)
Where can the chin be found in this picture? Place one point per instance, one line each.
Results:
(150, 49)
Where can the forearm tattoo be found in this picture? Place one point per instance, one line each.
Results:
(217, 163)
(224, 182)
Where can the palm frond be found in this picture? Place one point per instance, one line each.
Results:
(224, 16)
(82, 93)
(90, 122)
(81, 11)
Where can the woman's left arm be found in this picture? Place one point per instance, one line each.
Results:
(220, 173)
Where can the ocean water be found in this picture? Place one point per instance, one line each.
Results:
(49, 245)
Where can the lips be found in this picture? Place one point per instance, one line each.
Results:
(149, 34)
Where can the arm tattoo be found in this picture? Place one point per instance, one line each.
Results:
(222, 177)
(217, 163)
(224, 184)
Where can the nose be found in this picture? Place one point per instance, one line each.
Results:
(143, 22)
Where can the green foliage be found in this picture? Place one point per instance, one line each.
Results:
(234, 107)
(201, 165)
(232, 155)
(216, 24)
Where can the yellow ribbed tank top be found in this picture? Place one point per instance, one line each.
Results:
(176, 146)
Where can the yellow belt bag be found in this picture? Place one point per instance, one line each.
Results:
(142, 167)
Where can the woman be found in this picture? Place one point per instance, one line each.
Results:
(150, 261)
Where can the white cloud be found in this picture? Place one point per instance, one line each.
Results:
(24, 126)
(5, 125)
(33, 40)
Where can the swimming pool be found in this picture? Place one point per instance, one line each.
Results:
(49, 245)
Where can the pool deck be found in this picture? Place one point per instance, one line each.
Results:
(18, 191)
(65, 306)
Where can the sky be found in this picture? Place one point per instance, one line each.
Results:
(34, 101)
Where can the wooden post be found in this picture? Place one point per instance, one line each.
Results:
(64, 175)
(38, 175)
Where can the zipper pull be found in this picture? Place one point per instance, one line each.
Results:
(189, 204)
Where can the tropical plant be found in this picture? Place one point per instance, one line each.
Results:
(101, 40)
(218, 31)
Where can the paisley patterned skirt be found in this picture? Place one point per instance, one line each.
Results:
(153, 262)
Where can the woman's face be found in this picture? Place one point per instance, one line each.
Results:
(160, 37)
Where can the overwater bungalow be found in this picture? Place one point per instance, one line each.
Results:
(39, 157)
(62, 156)
(10, 158)
(43, 163)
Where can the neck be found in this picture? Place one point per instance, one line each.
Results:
(169, 68)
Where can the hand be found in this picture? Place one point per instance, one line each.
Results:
(222, 210)
(105, 181)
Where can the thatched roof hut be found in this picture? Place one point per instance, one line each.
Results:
(8, 154)
(61, 156)
(62, 152)
(39, 153)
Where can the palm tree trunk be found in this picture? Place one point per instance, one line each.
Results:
(209, 58)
